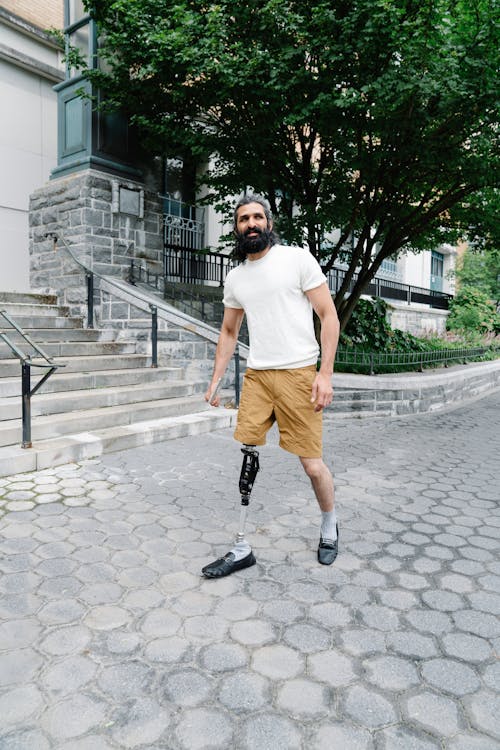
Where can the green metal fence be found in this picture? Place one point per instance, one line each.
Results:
(371, 363)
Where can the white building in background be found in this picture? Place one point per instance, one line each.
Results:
(30, 65)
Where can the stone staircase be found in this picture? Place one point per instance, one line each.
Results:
(107, 397)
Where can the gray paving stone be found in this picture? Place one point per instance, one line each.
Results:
(66, 640)
(20, 704)
(468, 648)
(333, 668)
(341, 735)
(307, 638)
(73, 717)
(399, 738)
(483, 709)
(479, 623)
(429, 621)
(268, 731)
(435, 713)
(304, 699)
(24, 740)
(253, 632)
(491, 676)
(450, 676)
(368, 708)
(139, 722)
(204, 728)
(187, 687)
(466, 741)
(223, 657)
(391, 673)
(362, 641)
(129, 680)
(68, 675)
(277, 662)
(19, 633)
(107, 617)
(18, 666)
(244, 692)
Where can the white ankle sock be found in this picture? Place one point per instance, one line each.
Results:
(329, 525)
(241, 550)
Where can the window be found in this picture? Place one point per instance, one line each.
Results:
(437, 266)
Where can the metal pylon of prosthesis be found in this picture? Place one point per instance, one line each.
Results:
(249, 471)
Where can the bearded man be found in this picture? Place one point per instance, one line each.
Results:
(277, 287)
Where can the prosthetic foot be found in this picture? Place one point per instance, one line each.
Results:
(241, 555)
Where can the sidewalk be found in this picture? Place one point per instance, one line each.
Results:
(111, 639)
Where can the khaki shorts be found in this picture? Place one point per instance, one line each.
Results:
(282, 396)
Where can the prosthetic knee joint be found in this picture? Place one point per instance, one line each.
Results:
(249, 471)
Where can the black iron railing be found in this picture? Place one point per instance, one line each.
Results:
(190, 267)
(134, 276)
(394, 290)
(372, 363)
(26, 364)
(90, 275)
(210, 268)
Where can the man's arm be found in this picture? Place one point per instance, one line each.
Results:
(230, 328)
(321, 300)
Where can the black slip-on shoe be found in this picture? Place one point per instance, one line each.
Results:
(328, 550)
(226, 565)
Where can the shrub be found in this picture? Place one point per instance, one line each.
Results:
(472, 311)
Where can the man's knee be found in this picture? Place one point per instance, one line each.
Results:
(314, 467)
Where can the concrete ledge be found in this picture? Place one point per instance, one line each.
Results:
(412, 393)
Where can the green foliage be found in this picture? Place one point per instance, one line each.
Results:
(472, 310)
(369, 329)
(377, 117)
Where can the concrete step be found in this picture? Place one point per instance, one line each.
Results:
(34, 322)
(62, 381)
(84, 400)
(10, 367)
(43, 335)
(27, 297)
(79, 446)
(29, 308)
(54, 426)
(65, 349)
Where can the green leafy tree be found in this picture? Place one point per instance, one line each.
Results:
(475, 306)
(366, 123)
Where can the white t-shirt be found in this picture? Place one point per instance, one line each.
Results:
(279, 316)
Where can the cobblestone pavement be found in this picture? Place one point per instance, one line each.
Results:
(110, 637)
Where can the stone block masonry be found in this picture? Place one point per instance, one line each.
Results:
(105, 220)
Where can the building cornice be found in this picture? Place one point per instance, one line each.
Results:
(20, 60)
(27, 28)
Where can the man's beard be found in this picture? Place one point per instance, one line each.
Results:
(252, 245)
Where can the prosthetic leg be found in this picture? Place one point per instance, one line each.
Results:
(241, 555)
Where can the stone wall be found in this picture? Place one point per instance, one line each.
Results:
(105, 220)
(417, 319)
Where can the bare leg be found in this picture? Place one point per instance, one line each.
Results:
(321, 480)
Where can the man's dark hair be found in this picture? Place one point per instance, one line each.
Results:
(244, 201)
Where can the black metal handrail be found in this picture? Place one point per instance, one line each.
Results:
(90, 274)
(373, 362)
(26, 364)
(190, 267)
(192, 303)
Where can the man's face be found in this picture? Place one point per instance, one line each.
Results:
(252, 228)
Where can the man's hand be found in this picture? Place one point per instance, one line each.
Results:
(212, 394)
(322, 391)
